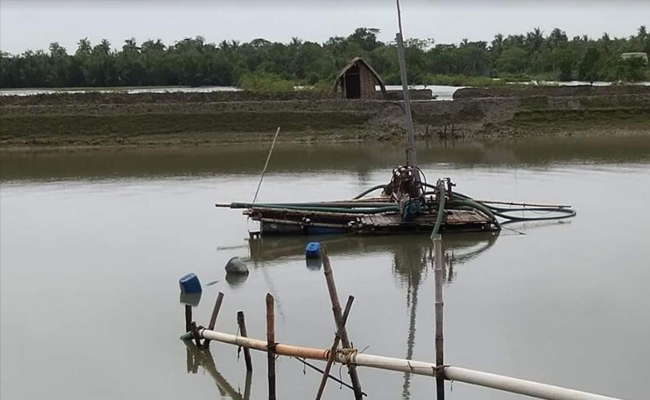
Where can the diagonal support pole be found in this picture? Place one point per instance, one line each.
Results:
(338, 319)
(213, 318)
(335, 346)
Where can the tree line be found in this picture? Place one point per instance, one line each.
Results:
(194, 62)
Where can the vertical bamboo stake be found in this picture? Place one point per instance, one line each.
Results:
(338, 319)
(440, 361)
(242, 331)
(335, 346)
(195, 331)
(213, 318)
(188, 318)
(270, 340)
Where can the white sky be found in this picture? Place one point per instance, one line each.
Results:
(30, 24)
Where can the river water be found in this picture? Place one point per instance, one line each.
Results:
(93, 243)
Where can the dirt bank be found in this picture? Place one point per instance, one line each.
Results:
(199, 119)
(550, 91)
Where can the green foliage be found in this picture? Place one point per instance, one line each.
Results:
(464, 80)
(590, 65)
(268, 66)
(265, 83)
(632, 70)
(512, 60)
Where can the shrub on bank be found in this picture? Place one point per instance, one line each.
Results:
(463, 80)
(265, 83)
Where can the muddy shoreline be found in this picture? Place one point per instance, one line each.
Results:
(207, 119)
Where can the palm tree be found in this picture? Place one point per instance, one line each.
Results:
(535, 40)
(556, 38)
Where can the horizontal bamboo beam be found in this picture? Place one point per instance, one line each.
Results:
(493, 381)
(363, 360)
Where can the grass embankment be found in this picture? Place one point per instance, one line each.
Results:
(108, 119)
(171, 128)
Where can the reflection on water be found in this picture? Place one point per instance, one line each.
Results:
(203, 358)
(43, 165)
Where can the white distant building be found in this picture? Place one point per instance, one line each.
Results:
(640, 55)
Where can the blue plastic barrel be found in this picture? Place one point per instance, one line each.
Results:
(190, 284)
(312, 250)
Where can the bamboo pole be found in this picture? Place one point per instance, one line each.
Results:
(270, 340)
(241, 322)
(338, 319)
(330, 376)
(268, 158)
(439, 340)
(335, 346)
(213, 317)
(499, 382)
(411, 154)
(247, 385)
(195, 332)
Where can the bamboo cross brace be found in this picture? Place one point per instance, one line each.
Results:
(213, 318)
(335, 346)
(338, 318)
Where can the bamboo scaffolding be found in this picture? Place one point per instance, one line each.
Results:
(484, 379)
(335, 346)
(338, 319)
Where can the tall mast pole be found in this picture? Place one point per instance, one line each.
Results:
(411, 152)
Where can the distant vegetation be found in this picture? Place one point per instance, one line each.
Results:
(264, 66)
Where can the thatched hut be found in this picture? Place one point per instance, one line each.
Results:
(358, 80)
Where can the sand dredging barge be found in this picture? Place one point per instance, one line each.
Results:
(407, 204)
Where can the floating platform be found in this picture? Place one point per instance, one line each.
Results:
(288, 221)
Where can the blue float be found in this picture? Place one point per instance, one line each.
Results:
(312, 250)
(190, 284)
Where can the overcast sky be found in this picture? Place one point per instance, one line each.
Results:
(29, 24)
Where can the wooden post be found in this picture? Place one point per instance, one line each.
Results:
(335, 346)
(213, 318)
(338, 319)
(242, 331)
(195, 331)
(188, 318)
(439, 343)
(270, 343)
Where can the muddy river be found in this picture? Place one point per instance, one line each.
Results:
(92, 244)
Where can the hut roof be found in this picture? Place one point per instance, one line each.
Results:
(360, 60)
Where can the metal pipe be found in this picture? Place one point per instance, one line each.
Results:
(499, 382)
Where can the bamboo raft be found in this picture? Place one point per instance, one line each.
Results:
(287, 221)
